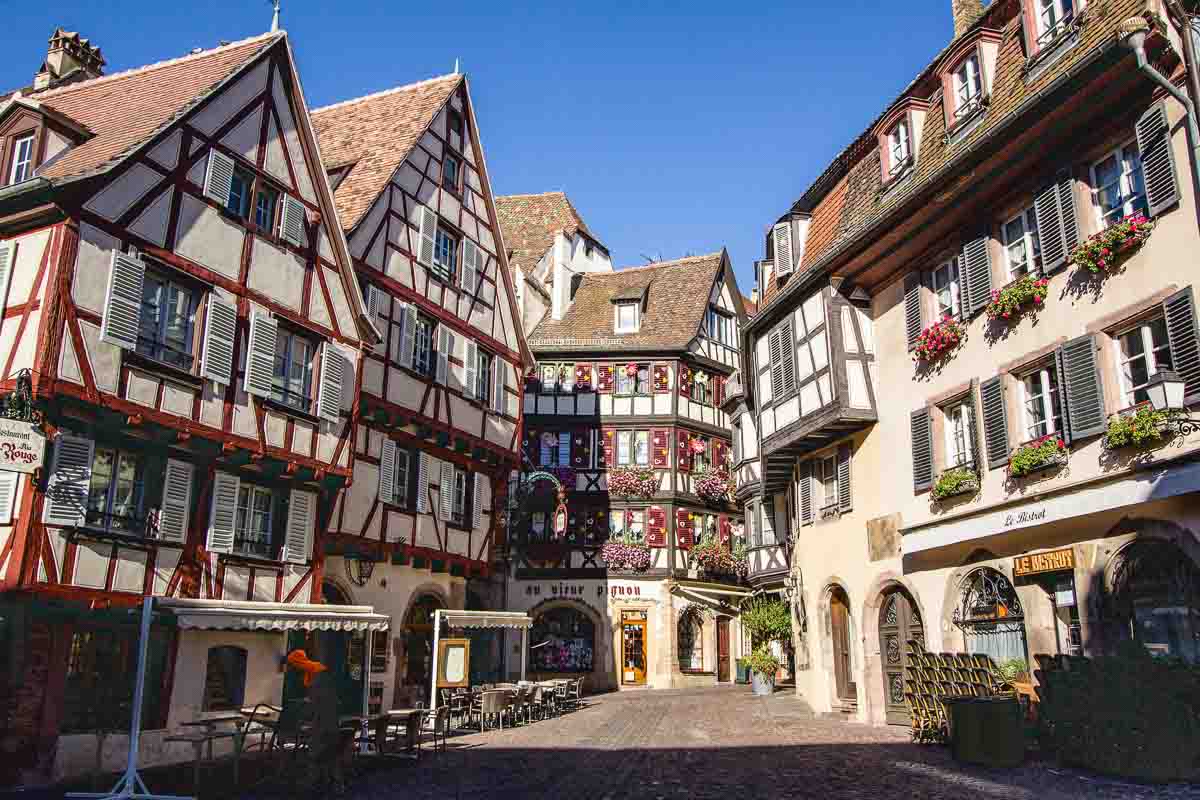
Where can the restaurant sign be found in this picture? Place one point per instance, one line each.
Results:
(22, 446)
(1050, 561)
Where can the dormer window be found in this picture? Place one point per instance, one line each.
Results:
(900, 147)
(968, 87)
(628, 317)
(1053, 17)
(22, 160)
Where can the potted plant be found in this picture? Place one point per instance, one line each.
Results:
(955, 481)
(632, 482)
(626, 553)
(714, 485)
(763, 665)
(1104, 251)
(1024, 291)
(1047, 451)
(1142, 427)
(938, 339)
(719, 560)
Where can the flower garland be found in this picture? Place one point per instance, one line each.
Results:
(938, 339)
(1047, 450)
(1104, 251)
(714, 485)
(626, 553)
(632, 482)
(1008, 301)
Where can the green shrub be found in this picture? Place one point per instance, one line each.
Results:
(1037, 454)
(1141, 427)
(767, 620)
(956, 480)
(763, 661)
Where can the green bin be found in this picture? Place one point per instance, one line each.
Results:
(743, 672)
(986, 730)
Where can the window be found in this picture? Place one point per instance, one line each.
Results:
(1043, 412)
(168, 320)
(451, 168)
(558, 377)
(1118, 188)
(825, 473)
(700, 458)
(292, 384)
(445, 254)
(22, 160)
(967, 87)
(1143, 351)
(1053, 17)
(225, 679)
(483, 377)
(400, 481)
(116, 495)
(454, 123)
(629, 524)
(737, 441)
(562, 640)
(239, 192)
(701, 388)
(633, 447)
(627, 317)
(1022, 250)
(898, 142)
(458, 500)
(252, 532)
(720, 328)
(958, 423)
(1156, 598)
(265, 202)
(946, 289)
(637, 383)
(423, 345)
(92, 700)
(691, 641)
(991, 617)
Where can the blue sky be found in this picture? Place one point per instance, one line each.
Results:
(674, 128)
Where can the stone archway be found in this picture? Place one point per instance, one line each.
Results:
(601, 635)
(413, 641)
(892, 614)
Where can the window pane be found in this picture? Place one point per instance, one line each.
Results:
(626, 316)
(643, 447)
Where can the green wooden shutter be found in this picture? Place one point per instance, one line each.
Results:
(912, 307)
(921, 427)
(1180, 312)
(1158, 160)
(1083, 389)
(995, 422)
(845, 499)
(976, 275)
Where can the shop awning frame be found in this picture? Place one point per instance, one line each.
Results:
(249, 615)
(476, 619)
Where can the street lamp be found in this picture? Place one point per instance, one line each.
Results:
(1165, 390)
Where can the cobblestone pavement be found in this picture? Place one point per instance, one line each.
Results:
(717, 743)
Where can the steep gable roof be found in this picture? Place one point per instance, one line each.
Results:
(372, 135)
(126, 109)
(529, 223)
(677, 295)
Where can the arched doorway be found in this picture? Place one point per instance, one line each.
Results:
(1155, 598)
(991, 617)
(899, 621)
(562, 640)
(418, 641)
(839, 631)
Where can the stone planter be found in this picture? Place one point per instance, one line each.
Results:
(762, 685)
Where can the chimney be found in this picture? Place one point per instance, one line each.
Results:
(68, 58)
(966, 12)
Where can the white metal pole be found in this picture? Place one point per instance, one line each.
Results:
(437, 632)
(524, 648)
(364, 745)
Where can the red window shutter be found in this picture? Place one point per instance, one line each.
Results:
(581, 448)
(683, 529)
(662, 384)
(532, 448)
(608, 439)
(718, 453)
(685, 380)
(718, 390)
(685, 451)
(656, 527)
(660, 440)
(604, 378)
(725, 531)
(583, 376)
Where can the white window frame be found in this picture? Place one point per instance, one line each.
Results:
(1028, 239)
(1045, 380)
(1126, 182)
(825, 471)
(899, 146)
(483, 376)
(22, 167)
(956, 425)
(1142, 328)
(968, 86)
(637, 317)
(442, 270)
(954, 284)
(243, 527)
(1052, 17)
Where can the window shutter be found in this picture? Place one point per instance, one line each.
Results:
(724, 532)
(408, 332)
(660, 456)
(218, 177)
(427, 224)
(476, 499)
(1066, 205)
(662, 383)
(302, 514)
(446, 490)
(471, 359)
(1180, 312)
(8, 495)
(260, 354)
(604, 378)
(222, 517)
(375, 306)
(922, 449)
(216, 363)
(787, 343)
(123, 301)
(470, 270)
(546, 451)
(445, 346)
(67, 491)
(806, 503)
(530, 445)
(719, 451)
(683, 529)
(783, 249)
(775, 354)
(583, 376)
(333, 373)
(387, 472)
(564, 448)
(977, 275)
(1158, 159)
(291, 221)
(973, 431)
(686, 377)
(995, 422)
(6, 265)
(609, 436)
(656, 527)
(498, 394)
(912, 307)
(845, 499)
(684, 445)
(423, 467)
(581, 448)
(1058, 233)
(1084, 393)
(177, 501)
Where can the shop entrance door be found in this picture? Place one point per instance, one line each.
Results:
(633, 648)
(899, 621)
(722, 649)
(839, 613)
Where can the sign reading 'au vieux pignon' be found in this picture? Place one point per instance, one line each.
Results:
(22, 446)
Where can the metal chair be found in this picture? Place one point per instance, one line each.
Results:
(437, 722)
(494, 704)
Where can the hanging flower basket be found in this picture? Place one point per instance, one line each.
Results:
(719, 560)
(1024, 291)
(1044, 453)
(955, 481)
(632, 482)
(1106, 250)
(938, 339)
(626, 553)
(714, 485)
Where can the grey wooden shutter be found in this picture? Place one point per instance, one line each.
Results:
(498, 395)
(783, 248)
(8, 495)
(123, 301)
(1180, 312)
(387, 471)
(423, 467)
(470, 271)
(973, 430)
(408, 332)
(218, 177)
(912, 307)
(291, 221)
(921, 427)
(177, 501)
(377, 307)
(564, 448)
(995, 422)
(260, 354)
(301, 519)
(70, 477)
(476, 499)
(845, 498)
(446, 490)
(806, 502)
(427, 224)
(333, 375)
(445, 345)
(1158, 159)
(222, 518)
(1058, 232)
(1066, 206)
(6, 270)
(976, 269)
(788, 342)
(220, 329)
(776, 356)
(1082, 388)
(471, 360)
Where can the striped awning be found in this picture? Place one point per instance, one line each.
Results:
(485, 619)
(245, 615)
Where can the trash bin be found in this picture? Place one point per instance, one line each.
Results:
(743, 672)
(986, 730)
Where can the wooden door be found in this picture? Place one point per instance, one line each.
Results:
(839, 613)
(722, 649)
(633, 648)
(899, 621)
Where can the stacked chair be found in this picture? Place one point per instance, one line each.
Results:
(932, 676)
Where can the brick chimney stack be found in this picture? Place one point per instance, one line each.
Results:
(966, 12)
(69, 58)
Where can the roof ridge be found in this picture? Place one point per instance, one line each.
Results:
(61, 90)
(383, 92)
(657, 264)
(532, 194)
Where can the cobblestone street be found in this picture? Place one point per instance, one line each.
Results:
(717, 743)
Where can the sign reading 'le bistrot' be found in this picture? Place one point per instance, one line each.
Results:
(1051, 561)
(22, 446)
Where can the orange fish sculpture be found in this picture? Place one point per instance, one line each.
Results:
(299, 660)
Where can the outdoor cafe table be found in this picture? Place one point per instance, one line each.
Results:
(209, 735)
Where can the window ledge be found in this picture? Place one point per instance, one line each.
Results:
(163, 369)
(291, 411)
(963, 126)
(1050, 52)
(131, 539)
(253, 560)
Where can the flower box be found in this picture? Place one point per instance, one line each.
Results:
(1106, 250)
(626, 554)
(714, 486)
(954, 482)
(719, 560)
(1040, 454)
(1140, 426)
(938, 339)
(633, 482)
(1009, 301)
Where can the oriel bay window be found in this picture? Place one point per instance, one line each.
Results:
(166, 330)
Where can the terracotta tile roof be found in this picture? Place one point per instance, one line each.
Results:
(375, 134)
(126, 109)
(677, 298)
(750, 306)
(530, 221)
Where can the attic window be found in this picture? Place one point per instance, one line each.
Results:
(22, 159)
(628, 316)
(1053, 18)
(900, 147)
(968, 87)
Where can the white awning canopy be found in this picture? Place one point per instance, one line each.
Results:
(486, 619)
(247, 615)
